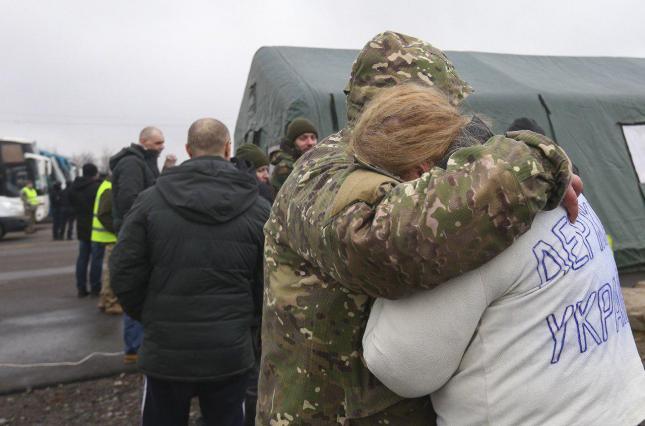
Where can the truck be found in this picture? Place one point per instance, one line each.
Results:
(64, 170)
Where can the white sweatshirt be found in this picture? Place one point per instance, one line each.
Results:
(537, 336)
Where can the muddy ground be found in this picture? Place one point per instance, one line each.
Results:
(109, 401)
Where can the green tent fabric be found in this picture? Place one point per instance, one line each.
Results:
(581, 102)
(289, 82)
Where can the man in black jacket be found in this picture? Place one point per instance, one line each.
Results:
(55, 209)
(134, 169)
(81, 197)
(67, 211)
(188, 264)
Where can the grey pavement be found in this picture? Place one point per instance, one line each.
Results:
(42, 321)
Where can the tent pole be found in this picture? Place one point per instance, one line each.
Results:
(548, 117)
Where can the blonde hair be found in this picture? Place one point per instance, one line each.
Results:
(405, 125)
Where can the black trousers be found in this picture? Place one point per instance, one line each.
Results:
(68, 217)
(58, 227)
(251, 399)
(167, 403)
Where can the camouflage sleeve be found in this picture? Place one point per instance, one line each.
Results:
(447, 222)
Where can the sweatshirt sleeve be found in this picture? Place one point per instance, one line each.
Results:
(426, 231)
(414, 345)
(129, 263)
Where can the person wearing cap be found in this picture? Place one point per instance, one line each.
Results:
(301, 137)
(258, 160)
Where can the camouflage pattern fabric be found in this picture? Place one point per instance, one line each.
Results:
(391, 58)
(282, 162)
(325, 264)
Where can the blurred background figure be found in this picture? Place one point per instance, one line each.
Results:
(81, 198)
(29, 198)
(56, 210)
(525, 123)
(301, 137)
(260, 162)
(67, 212)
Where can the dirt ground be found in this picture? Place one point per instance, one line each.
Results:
(109, 401)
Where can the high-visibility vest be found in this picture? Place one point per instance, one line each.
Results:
(99, 233)
(30, 195)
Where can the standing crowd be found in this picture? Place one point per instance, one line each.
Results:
(411, 269)
(194, 257)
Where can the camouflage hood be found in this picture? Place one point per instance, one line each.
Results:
(391, 58)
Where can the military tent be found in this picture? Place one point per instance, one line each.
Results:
(593, 107)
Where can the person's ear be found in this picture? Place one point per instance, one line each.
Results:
(422, 168)
(189, 151)
(227, 151)
(425, 167)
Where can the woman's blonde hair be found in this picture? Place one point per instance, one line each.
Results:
(405, 125)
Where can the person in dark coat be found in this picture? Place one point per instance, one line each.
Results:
(134, 169)
(188, 264)
(56, 209)
(67, 211)
(81, 197)
(260, 163)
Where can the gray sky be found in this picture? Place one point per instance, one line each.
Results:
(80, 75)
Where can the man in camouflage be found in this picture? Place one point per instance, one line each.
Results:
(301, 137)
(342, 233)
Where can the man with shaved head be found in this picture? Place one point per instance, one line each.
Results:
(134, 169)
(188, 265)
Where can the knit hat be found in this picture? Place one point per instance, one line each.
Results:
(253, 154)
(299, 126)
(525, 123)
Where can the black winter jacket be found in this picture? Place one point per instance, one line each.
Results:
(188, 264)
(133, 170)
(65, 201)
(81, 197)
(55, 197)
(264, 189)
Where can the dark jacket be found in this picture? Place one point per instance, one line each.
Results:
(264, 189)
(188, 264)
(56, 197)
(133, 170)
(65, 202)
(81, 198)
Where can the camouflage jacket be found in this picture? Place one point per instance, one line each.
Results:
(282, 162)
(341, 234)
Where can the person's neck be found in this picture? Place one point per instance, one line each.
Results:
(207, 154)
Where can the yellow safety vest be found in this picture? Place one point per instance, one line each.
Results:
(30, 195)
(99, 233)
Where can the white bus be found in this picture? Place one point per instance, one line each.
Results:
(18, 164)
